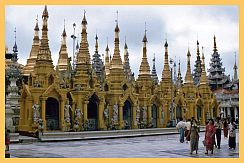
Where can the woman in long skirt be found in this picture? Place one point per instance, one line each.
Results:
(209, 136)
(232, 135)
(194, 136)
(225, 127)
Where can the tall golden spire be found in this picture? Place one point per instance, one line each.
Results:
(83, 56)
(116, 59)
(107, 64)
(235, 70)
(188, 77)
(203, 79)
(44, 53)
(63, 54)
(166, 72)
(144, 67)
(31, 61)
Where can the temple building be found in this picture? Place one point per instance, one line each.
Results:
(217, 78)
(229, 98)
(225, 89)
(105, 96)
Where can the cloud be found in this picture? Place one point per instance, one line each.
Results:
(183, 24)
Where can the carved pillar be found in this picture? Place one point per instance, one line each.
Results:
(149, 113)
(174, 110)
(134, 123)
(85, 109)
(166, 114)
(100, 115)
(61, 123)
(203, 118)
(43, 106)
(159, 115)
(120, 116)
(73, 113)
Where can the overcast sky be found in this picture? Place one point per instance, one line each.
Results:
(183, 25)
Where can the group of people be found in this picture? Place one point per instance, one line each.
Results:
(189, 132)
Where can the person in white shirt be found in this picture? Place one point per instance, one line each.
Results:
(181, 128)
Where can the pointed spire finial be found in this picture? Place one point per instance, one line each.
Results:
(84, 22)
(15, 48)
(235, 69)
(166, 43)
(117, 21)
(215, 45)
(107, 49)
(15, 34)
(203, 53)
(45, 12)
(96, 45)
(145, 27)
(117, 17)
(235, 57)
(96, 35)
(64, 32)
(145, 34)
(125, 47)
(188, 52)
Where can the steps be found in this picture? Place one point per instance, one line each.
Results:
(88, 135)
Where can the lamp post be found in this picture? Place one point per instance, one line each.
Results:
(73, 37)
(171, 61)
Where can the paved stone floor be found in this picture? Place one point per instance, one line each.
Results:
(165, 146)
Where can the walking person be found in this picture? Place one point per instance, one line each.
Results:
(232, 134)
(194, 136)
(187, 130)
(209, 136)
(218, 128)
(181, 128)
(225, 128)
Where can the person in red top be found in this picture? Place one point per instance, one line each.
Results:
(209, 136)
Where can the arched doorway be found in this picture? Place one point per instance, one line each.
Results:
(199, 113)
(178, 112)
(127, 114)
(154, 116)
(93, 113)
(52, 114)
